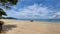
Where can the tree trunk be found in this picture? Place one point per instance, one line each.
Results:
(1, 26)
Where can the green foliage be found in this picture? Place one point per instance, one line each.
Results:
(5, 4)
(2, 12)
(14, 2)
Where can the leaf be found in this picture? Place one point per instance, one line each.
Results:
(3, 1)
(2, 12)
(13, 1)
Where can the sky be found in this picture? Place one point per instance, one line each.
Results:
(35, 9)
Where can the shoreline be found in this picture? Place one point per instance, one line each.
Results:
(34, 20)
(27, 27)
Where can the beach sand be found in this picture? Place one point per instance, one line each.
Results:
(27, 27)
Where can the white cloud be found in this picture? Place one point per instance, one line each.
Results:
(57, 15)
(34, 11)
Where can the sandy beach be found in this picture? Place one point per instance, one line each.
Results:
(27, 27)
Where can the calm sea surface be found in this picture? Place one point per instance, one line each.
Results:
(46, 20)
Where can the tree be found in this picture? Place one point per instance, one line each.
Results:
(6, 4)
(2, 13)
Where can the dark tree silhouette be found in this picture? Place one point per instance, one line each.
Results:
(5, 4)
(2, 13)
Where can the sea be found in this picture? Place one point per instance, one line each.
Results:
(46, 20)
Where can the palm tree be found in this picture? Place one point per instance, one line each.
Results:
(5, 4)
(14, 2)
(2, 13)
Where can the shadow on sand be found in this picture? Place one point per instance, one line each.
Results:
(6, 28)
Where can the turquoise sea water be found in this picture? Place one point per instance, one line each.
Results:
(46, 20)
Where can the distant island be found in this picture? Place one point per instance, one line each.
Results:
(49, 20)
(8, 18)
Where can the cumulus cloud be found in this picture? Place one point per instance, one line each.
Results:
(57, 15)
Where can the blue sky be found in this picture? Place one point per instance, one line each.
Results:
(35, 9)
